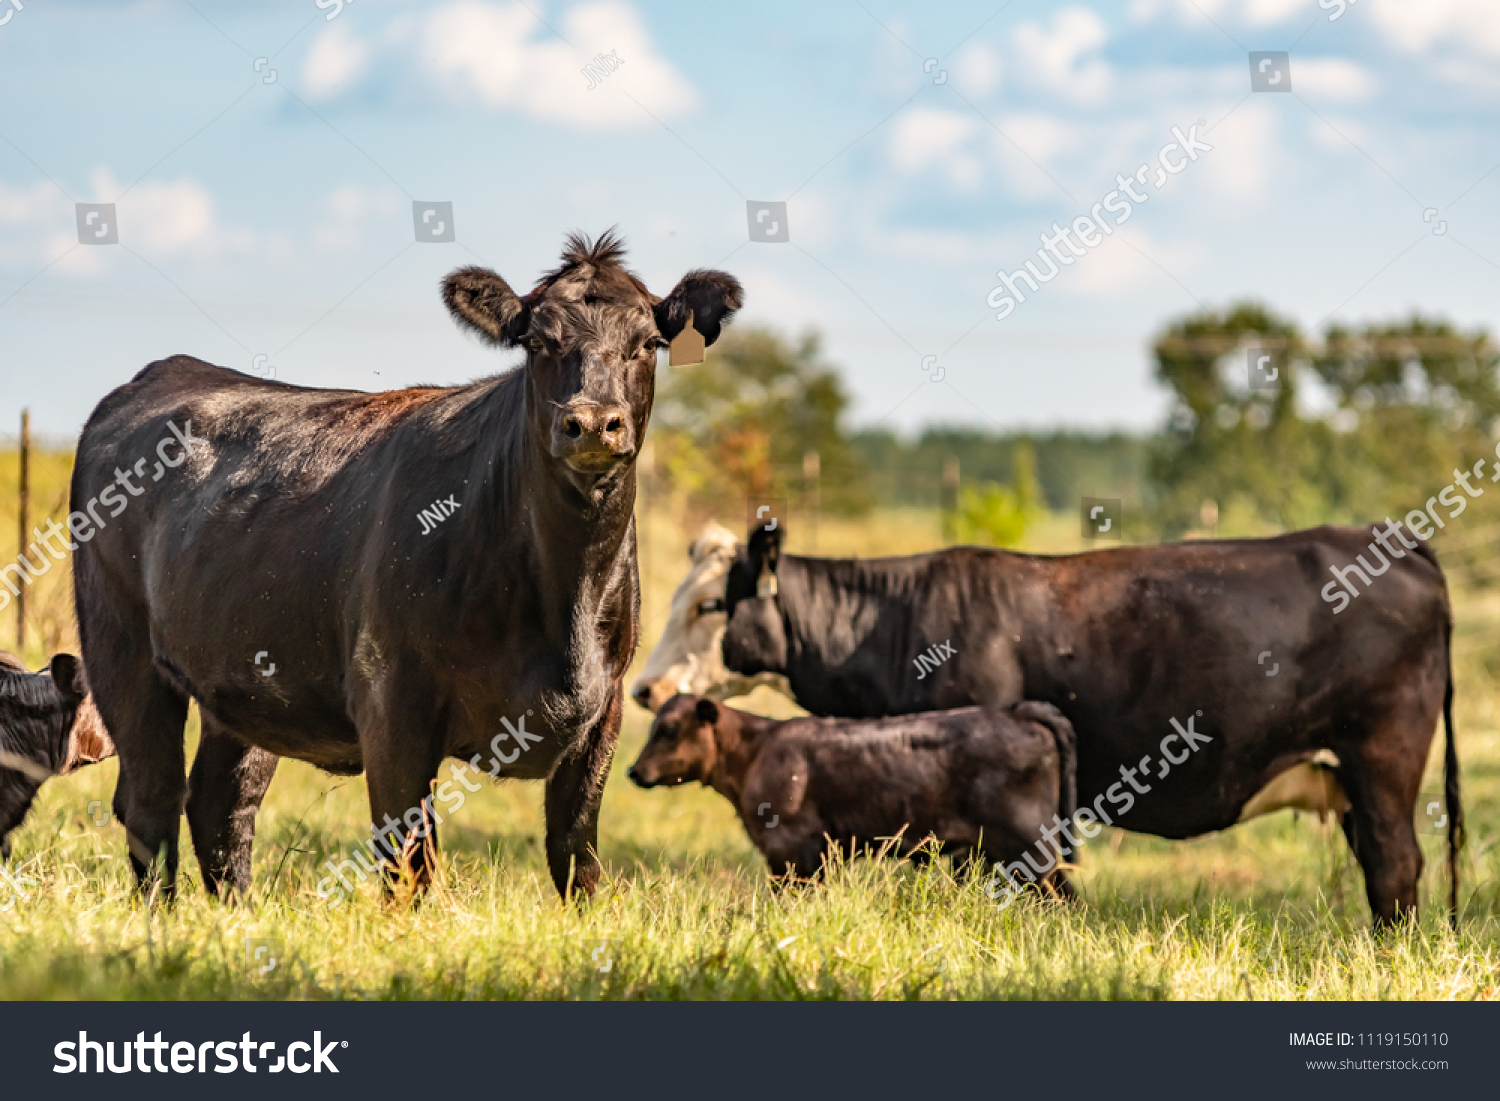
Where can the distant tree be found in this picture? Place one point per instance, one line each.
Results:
(741, 423)
(1410, 402)
(998, 515)
(1225, 441)
(1069, 464)
(1352, 430)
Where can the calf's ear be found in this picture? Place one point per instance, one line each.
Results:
(483, 303)
(707, 711)
(712, 297)
(90, 742)
(67, 674)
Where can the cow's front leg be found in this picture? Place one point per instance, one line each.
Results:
(573, 793)
(402, 744)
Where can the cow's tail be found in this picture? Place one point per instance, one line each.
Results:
(1456, 833)
(1451, 796)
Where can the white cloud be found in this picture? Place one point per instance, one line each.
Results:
(1255, 13)
(23, 207)
(1245, 154)
(818, 220)
(163, 217)
(335, 63)
(976, 69)
(1041, 136)
(1476, 74)
(1460, 37)
(1113, 267)
(498, 55)
(35, 225)
(924, 137)
(1263, 13)
(1332, 78)
(1056, 58)
(1418, 26)
(175, 217)
(38, 225)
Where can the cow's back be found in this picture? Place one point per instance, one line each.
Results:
(245, 556)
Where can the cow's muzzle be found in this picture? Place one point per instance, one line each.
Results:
(592, 438)
(638, 778)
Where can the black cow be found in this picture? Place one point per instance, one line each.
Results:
(48, 727)
(377, 581)
(1135, 645)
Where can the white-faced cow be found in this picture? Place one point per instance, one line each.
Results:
(378, 581)
(687, 657)
(48, 727)
(1135, 645)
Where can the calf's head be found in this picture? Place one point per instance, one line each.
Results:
(687, 658)
(755, 638)
(590, 330)
(37, 711)
(681, 747)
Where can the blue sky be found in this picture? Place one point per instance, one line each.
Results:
(919, 150)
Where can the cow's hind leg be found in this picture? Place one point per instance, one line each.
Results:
(1382, 778)
(228, 781)
(572, 801)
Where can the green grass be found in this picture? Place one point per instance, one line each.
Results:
(1274, 909)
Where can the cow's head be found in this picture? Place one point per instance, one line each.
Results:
(681, 747)
(36, 719)
(687, 657)
(591, 330)
(755, 638)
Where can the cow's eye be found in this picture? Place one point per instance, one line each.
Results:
(710, 606)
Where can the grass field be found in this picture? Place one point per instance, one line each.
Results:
(1274, 909)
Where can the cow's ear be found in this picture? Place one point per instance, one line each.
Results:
(707, 711)
(765, 546)
(67, 674)
(483, 303)
(711, 296)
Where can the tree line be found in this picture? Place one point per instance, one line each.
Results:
(1269, 428)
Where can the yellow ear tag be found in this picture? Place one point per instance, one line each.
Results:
(687, 347)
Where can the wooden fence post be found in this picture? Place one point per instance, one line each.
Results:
(948, 501)
(812, 490)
